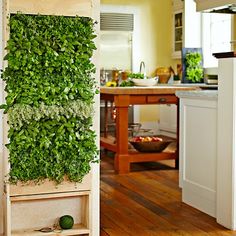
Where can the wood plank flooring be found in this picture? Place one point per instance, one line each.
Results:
(147, 202)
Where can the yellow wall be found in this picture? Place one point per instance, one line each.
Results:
(156, 39)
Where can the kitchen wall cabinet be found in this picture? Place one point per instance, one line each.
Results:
(178, 10)
(186, 26)
(178, 34)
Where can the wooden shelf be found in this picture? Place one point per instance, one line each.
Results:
(48, 187)
(48, 196)
(179, 27)
(78, 229)
(54, 7)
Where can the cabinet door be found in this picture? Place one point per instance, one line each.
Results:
(168, 120)
(177, 34)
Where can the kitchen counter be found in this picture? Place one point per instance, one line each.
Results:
(159, 89)
(123, 97)
(199, 94)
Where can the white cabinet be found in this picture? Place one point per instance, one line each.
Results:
(178, 8)
(178, 34)
(186, 26)
(168, 120)
(198, 149)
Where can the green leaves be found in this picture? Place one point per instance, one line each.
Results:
(136, 75)
(52, 149)
(54, 50)
(50, 93)
(21, 114)
(194, 70)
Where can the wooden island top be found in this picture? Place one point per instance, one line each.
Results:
(122, 98)
(160, 89)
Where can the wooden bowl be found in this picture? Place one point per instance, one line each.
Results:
(151, 146)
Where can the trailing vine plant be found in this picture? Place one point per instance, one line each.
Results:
(50, 93)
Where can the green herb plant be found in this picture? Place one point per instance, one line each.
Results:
(126, 83)
(50, 95)
(194, 70)
(136, 75)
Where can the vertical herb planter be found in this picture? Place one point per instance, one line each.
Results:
(192, 65)
(50, 92)
(50, 114)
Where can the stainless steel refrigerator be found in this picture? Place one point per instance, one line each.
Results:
(115, 52)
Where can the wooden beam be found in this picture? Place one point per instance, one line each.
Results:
(52, 7)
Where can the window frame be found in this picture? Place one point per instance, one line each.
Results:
(208, 60)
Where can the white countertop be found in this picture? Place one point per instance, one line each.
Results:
(202, 94)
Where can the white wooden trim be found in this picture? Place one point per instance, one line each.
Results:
(49, 187)
(52, 7)
(6, 198)
(79, 229)
(226, 159)
(209, 4)
(94, 200)
(22, 198)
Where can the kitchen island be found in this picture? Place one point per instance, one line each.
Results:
(198, 148)
(123, 97)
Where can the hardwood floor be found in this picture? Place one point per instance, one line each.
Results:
(147, 202)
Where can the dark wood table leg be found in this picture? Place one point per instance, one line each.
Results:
(122, 164)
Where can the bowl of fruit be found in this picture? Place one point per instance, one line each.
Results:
(150, 144)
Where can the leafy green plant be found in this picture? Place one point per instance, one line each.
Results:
(51, 149)
(194, 70)
(50, 60)
(136, 75)
(50, 94)
(21, 114)
(126, 83)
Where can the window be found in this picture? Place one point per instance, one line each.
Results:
(216, 36)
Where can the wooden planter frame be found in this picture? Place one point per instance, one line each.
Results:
(47, 190)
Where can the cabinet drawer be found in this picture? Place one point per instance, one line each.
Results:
(162, 99)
